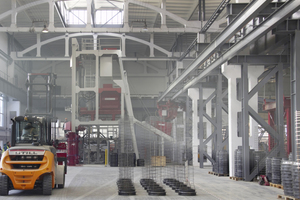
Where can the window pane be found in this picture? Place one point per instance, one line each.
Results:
(77, 17)
(1, 104)
(1, 119)
(109, 17)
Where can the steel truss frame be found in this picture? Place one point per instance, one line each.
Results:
(216, 137)
(247, 111)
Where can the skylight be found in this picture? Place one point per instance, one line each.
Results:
(77, 17)
(113, 17)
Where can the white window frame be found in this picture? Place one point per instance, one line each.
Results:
(109, 17)
(2, 116)
(77, 17)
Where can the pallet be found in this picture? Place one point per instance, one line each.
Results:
(236, 178)
(279, 196)
(217, 174)
(276, 185)
(213, 173)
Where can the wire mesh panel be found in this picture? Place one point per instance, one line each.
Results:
(126, 160)
(151, 150)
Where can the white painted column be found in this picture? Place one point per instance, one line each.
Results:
(89, 14)
(206, 93)
(151, 46)
(123, 45)
(194, 95)
(95, 42)
(232, 72)
(67, 41)
(51, 16)
(13, 14)
(253, 73)
(125, 15)
(163, 16)
(179, 66)
(38, 42)
(11, 71)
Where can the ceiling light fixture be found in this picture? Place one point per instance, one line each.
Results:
(145, 29)
(45, 30)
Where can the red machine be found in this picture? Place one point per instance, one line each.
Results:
(61, 151)
(109, 103)
(165, 127)
(263, 180)
(168, 110)
(271, 108)
(73, 156)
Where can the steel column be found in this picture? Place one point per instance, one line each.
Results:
(279, 110)
(188, 130)
(245, 121)
(219, 110)
(200, 127)
(241, 20)
(194, 95)
(295, 87)
(273, 20)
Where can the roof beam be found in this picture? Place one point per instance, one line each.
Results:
(83, 29)
(240, 21)
(278, 16)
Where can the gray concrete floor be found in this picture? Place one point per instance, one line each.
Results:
(99, 182)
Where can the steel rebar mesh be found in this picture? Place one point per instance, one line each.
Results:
(151, 149)
(126, 159)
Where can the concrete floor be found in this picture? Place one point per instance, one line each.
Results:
(99, 182)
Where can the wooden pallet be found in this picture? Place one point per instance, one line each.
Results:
(276, 185)
(236, 178)
(217, 174)
(279, 196)
(211, 173)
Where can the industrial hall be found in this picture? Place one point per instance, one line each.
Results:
(150, 99)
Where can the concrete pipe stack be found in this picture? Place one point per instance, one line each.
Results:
(296, 180)
(276, 171)
(269, 168)
(239, 162)
(286, 177)
(113, 159)
(216, 165)
(223, 162)
(258, 155)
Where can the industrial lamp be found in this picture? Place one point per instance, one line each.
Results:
(45, 30)
(145, 29)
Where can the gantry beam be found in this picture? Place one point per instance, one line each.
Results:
(277, 17)
(240, 21)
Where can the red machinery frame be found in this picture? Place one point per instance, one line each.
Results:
(109, 102)
(271, 108)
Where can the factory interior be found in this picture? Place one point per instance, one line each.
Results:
(150, 99)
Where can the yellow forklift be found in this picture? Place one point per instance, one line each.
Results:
(31, 162)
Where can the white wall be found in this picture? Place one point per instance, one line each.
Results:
(3, 64)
